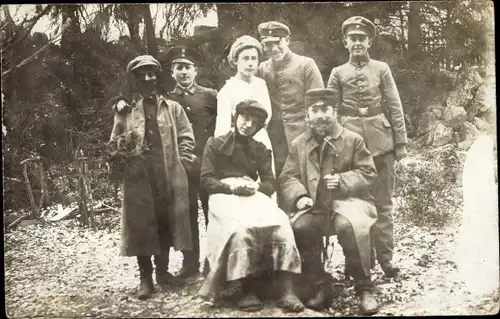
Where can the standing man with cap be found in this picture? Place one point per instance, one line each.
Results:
(200, 105)
(325, 184)
(369, 104)
(152, 152)
(288, 77)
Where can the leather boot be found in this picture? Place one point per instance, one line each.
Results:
(322, 297)
(206, 268)
(163, 277)
(368, 304)
(190, 265)
(145, 270)
(389, 269)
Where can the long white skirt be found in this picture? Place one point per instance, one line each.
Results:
(247, 235)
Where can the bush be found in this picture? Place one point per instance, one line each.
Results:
(427, 192)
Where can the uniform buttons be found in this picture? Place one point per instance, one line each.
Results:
(284, 121)
(188, 108)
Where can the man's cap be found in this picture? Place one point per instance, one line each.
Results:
(320, 97)
(359, 25)
(272, 31)
(141, 61)
(182, 54)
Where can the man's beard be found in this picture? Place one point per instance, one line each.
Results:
(321, 127)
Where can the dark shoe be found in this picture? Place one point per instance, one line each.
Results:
(321, 299)
(291, 303)
(389, 269)
(188, 272)
(166, 279)
(368, 305)
(145, 288)
(206, 268)
(145, 269)
(250, 303)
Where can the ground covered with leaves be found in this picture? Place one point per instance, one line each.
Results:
(63, 270)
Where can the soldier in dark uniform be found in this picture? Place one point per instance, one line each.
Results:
(369, 104)
(200, 105)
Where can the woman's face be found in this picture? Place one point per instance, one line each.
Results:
(247, 61)
(246, 124)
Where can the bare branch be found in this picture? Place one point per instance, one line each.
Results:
(28, 28)
(32, 56)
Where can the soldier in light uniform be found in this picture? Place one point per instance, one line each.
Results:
(288, 77)
(369, 104)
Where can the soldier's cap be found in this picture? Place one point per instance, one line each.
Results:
(182, 54)
(317, 97)
(272, 31)
(359, 25)
(141, 61)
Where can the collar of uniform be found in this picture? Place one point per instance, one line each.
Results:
(179, 89)
(361, 61)
(286, 59)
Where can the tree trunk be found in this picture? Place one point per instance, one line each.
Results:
(134, 17)
(152, 47)
(414, 20)
(69, 63)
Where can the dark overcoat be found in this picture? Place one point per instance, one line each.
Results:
(139, 234)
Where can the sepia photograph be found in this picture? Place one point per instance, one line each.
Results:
(250, 159)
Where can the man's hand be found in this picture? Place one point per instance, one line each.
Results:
(332, 181)
(121, 106)
(400, 152)
(304, 203)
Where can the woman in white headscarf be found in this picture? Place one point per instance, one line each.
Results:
(244, 56)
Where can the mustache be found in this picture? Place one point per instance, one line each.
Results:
(319, 122)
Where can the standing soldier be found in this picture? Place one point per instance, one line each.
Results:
(200, 105)
(288, 77)
(152, 149)
(369, 104)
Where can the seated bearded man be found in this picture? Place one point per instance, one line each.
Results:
(325, 183)
(247, 233)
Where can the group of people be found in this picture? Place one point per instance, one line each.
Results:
(277, 160)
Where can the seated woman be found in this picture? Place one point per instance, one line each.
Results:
(247, 233)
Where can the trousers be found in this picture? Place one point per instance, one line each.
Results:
(382, 191)
(309, 230)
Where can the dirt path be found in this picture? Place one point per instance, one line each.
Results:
(62, 270)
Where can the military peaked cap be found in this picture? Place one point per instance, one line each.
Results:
(273, 31)
(182, 54)
(320, 96)
(359, 25)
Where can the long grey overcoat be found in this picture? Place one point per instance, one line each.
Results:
(349, 157)
(139, 235)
